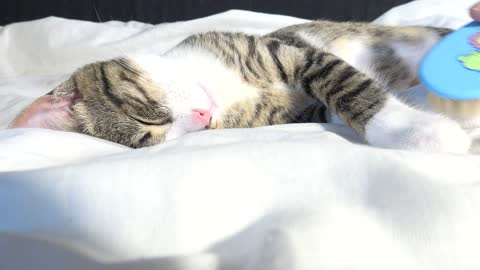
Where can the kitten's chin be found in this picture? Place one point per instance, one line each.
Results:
(174, 132)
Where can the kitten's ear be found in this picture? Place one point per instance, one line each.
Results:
(51, 111)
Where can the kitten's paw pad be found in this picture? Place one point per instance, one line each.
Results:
(418, 131)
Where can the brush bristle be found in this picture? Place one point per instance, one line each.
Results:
(463, 110)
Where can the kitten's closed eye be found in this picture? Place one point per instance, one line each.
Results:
(153, 122)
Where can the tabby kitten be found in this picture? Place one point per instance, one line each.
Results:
(312, 72)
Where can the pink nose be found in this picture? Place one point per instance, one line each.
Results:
(201, 116)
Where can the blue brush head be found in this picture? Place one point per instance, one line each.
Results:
(451, 70)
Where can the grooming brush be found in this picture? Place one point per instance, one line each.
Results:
(451, 73)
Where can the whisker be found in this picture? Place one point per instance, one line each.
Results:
(96, 11)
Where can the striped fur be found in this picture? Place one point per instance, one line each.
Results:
(298, 73)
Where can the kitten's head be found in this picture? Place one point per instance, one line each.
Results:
(119, 101)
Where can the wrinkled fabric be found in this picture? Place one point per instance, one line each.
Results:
(219, 199)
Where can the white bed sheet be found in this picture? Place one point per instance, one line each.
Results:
(223, 199)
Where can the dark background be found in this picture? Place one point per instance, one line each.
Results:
(156, 11)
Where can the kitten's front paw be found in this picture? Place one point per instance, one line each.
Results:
(416, 130)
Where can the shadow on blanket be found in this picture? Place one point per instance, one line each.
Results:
(20, 252)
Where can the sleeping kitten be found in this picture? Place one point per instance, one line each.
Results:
(313, 72)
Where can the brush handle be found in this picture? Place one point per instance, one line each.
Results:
(452, 68)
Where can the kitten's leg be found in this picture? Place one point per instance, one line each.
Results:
(390, 55)
(373, 112)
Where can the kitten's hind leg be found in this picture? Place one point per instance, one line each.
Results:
(390, 55)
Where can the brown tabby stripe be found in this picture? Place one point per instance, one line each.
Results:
(126, 64)
(357, 117)
(273, 47)
(231, 44)
(242, 70)
(261, 64)
(230, 41)
(220, 45)
(291, 39)
(308, 114)
(139, 88)
(148, 99)
(341, 94)
(131, 99)
(252, 50)
(274, 113)
(107, 90)
(302, 69)
(321, 70)
(328, 68)
(260, 107)
(361, 113)
(75, 82)
(319, 76)
(346, 97)
(251, 70)
(348, 72)
(439, 30)
(339, 82)
(144, 138)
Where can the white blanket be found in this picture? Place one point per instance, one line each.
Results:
(285, 197)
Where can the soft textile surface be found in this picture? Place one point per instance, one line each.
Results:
(224, 199)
